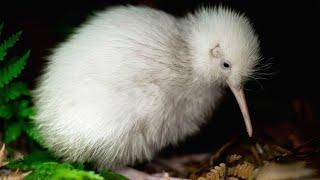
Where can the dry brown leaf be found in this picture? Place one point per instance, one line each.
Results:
(234, 157)
(14, 175)
(3, 156)
(244, 170)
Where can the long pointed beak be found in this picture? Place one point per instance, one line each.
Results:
(241, 99)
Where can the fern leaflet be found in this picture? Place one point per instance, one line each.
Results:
(8, 43)
(13, 91)
(13, 131)
(6, 111)
(13, 70)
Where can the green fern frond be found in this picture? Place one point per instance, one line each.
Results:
(8, 43)
(13, 70)
(64, 172)
(31, 161)
(1, 27)
(13, 91)
(18, 109)
(51, 169)
(23, 109)
(6, 111)
(13, 131)
(44, 166)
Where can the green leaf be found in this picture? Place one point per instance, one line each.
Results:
(13, 91)
(45, 170)
(52, 170)
(13, 70)
(61, 171)
(6, 112)
(8, 43)
(67, 174)
(20, 109)
(44, 166)
(23, 109)
(31, 161)
(13, 131)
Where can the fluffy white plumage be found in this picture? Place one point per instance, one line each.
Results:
(132, 80)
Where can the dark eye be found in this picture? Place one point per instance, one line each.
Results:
(226, 65)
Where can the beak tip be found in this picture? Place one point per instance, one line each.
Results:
(240, 97)
(249, 127)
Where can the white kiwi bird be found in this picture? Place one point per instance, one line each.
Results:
(132, 80)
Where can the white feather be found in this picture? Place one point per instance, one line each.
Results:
(134, 79)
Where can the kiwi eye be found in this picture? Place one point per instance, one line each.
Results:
(226, 65)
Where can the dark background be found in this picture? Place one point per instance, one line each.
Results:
(289, 34)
